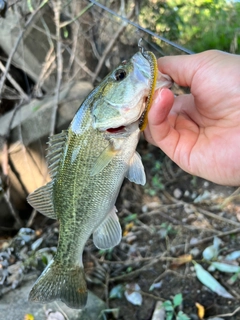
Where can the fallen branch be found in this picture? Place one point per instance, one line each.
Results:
(24, 29)
(11, 209)
(226, 314)
(221, 234)
(111, 44)
(57, 11)
(14, 83)
(196, 208)
(217, 217)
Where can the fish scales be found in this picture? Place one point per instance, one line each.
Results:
(87, 164)
(88, 198)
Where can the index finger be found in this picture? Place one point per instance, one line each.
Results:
(183, 68)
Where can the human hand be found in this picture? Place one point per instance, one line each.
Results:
(200, 131)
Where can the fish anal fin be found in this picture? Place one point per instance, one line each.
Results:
(60, 282)
(109, 233)
(55, 150)
(104, 159)
(41, 200)
(136, 171)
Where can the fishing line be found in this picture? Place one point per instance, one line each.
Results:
(173, 44)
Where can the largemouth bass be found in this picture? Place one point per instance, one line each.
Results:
(87, 164)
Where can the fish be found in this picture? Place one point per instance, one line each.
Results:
(87, 164)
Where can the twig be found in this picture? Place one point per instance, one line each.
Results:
(227, 314)
(162, 275)
(14, 83)
(32, 217)
(164, 215)
(47, 69)
(13, 4)
(57, 10)
(13, 212)
(5, 164)
(215, 216)
(107, 289)
(73, 50)
(221, 234)
(48, 65)
(111, 44)
(64, 314)
(130, 262)
(174, 221)
(27, 24)
(146, 294)
(4, 158)
(233, 196)
(196, 208)
(83, 66)
(17, 175)
(64, 24)
(136, 272)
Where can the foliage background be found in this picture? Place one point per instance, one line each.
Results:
(196, 24)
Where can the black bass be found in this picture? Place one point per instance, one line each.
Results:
(87, 164)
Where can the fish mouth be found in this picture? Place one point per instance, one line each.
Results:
(123, 129)
(117, 130)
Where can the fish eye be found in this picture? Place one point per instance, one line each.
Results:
(120, 74)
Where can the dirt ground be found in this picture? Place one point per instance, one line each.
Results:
(175, 214)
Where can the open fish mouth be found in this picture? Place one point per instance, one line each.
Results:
(120, 129)
(123, 128)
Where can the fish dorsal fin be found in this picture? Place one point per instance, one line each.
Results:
(41, 200)
(104, 159)
(136, 171)
(109, 233)
(55, 150)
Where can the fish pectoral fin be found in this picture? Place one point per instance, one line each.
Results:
(109, 233)
(136, 171)
(104, 159)
(41, 200)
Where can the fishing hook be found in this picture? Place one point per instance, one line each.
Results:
(141, 47)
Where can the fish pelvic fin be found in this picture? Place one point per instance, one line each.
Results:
(58, 282)
(109, 233)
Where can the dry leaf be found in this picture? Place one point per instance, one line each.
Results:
(225, 267)
(185, 258)
(132, 294)
(28, 316)
(233, 255)
(201, 310)
(212, 251)
(210, 282)
(54, 315)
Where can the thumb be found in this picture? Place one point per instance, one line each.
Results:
(158, 126)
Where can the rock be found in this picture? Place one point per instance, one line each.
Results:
(32, 121)
(31, 54)
(177, 193)
(159, 312)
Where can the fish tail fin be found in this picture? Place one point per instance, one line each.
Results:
(57, 282)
